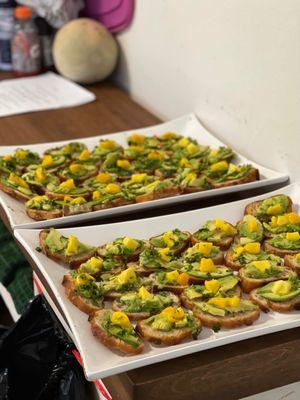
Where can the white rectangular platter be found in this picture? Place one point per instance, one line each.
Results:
(99, 361)
(187, 125)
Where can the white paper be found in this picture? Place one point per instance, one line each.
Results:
(43, 92)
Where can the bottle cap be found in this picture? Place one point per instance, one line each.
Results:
(23, 12)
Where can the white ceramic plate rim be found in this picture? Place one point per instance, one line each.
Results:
(187, 125)
(100, 361)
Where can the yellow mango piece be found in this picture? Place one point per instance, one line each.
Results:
(214, 152)
(138, 178)
(72, 245)
(108, 144)
(261, 265)
(112, 188)
(192, 148)
(67, 185)
(219, 166)
(274, 210)
(120, 318)
(103, 177)
(39, 199)
(84, 155)
(234, 301)
(207, 265)
(184, 162)
(252, 248)
(125, 164)
(221, 302)
(16, 180)
(204, 247)
(172, 275)
(47, 161)
(40, 174)
(169, 238)
(95, 262)
(225, 227)
(68, 198)
(238, 251)
(97, 195)
(281, 288)
(293, 236)
(75, 168)
(8, 157)
(191, 176)
(130, 243)
(155, 155)
(183, 279)
(78, 200)
(137, 138)
(294, 218)
(212, 285)
(152, 185)
(178, 314)
(144, 294)
(22, 154)
(273, 222)
(164, 254)
(83, 279)
(184, 142)
(127, 276)
(282, 220)
(169, 135)
(252, 225)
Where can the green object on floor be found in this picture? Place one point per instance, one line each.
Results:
(15, 271)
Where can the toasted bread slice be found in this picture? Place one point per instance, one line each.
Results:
(230, 262)
(278, 252)
(212, 321)
(158, 194)
(249, 284)
(251, 208)
(84, 305)
(290, 262)
(223, 243)
(253, 175)
(72, 261)
(41, 215)
(15, 193)
(180, 248)
(136, 316)
(111, 341)
(169, 338)
(282, 306)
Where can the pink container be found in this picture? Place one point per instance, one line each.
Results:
(116, 15)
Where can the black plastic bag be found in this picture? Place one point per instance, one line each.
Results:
(36, 360)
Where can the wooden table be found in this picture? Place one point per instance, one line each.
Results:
(228, 372)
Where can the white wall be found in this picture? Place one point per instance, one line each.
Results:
(235, 63)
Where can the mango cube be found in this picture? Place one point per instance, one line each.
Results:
(293, 236)
(207, 265)
(252, 248)
(120, 318)
(212, 285)
(130, 243)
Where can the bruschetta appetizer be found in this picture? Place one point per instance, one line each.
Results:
(42, 208)
(217, 231)
(265, 209)
(250, 229)
(283, 244)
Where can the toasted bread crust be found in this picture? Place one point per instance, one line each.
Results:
(266, 304)
(249, 284)
(53, 195)
(290, 262)
(170, 338)
(158, 194)
(14, 193)
(72, 261)
(278, 252)
(110, 341)
(211, 321)
(253, 175)
(187, 190)
(251, 208)
(41, 215)
(81, 303)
